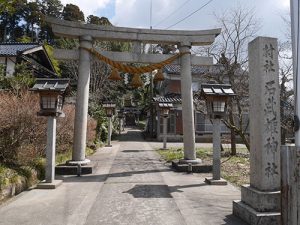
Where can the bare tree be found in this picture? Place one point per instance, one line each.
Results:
(286, 82)
(239, 26)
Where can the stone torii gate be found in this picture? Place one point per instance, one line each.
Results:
(86, 33)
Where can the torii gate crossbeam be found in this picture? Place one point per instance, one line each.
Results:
(86, 33)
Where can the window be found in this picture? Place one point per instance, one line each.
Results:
(200, 122)
(48, 102)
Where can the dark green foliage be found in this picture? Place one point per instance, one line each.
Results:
(39, 165)
(31, 15)
(55, 63)
(98, 20)
(49, 8)
(11, 13)
(23, 18)
(22, 79)
(72, 13)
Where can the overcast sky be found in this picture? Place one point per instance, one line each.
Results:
(136, 13)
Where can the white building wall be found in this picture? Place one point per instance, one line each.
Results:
(10, 67)
(9, 62)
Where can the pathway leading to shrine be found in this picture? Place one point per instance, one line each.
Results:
(130, 185)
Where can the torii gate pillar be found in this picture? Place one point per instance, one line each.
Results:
(82, 99)
(187, 106)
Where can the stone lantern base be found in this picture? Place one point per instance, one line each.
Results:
(196, 168)
(52, 185)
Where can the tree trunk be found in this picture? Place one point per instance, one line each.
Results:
(232, 133)
(245, 141)
(233, 142)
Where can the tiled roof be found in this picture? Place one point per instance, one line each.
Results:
(163, 99)
(12, 48)
(175, 69)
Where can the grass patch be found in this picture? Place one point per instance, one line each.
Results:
(177, 153)
(171, 154)
(141, 125)
(12, 175)
(235, 169)
(63, 157)
(89, 151)
(7, 176)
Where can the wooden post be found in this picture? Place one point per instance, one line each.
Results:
(290, 193)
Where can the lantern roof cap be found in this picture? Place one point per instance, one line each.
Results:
(55, 85)
(163, 99)
(109, 104)
(217, 89)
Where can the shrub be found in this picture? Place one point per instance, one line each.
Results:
(91, 130)
(65, 130)
(23, 133)
(103, 132)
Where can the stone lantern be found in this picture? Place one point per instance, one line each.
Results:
(216, 97)
(120, 116)
(51, 93)
(165, 110)
(109, 110)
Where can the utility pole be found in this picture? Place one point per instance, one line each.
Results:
(295, 20)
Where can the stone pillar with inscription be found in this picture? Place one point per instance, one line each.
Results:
(260, 201)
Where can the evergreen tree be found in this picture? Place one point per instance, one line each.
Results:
(51, 8)
(72, 13)
(98, 20)
(11, 13)
(32, 17)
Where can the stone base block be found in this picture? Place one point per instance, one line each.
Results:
(190, 161)
(65, 169)
(254, 217)
(196, 168)
(76, 163)
(211, 181)
(108, 146)
(261, 201)
(53, 185)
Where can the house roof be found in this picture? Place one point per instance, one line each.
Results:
(175, 69)
(33, 53)
(14, 48)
